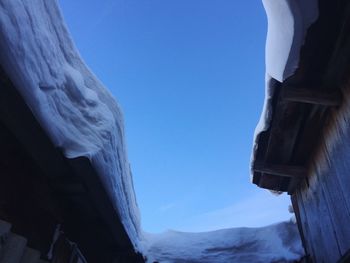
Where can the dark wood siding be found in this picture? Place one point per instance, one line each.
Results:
(323, 200)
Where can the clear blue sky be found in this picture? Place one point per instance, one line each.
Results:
(189, 76)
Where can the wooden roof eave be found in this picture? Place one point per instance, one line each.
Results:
(74, 182)
(303, 102)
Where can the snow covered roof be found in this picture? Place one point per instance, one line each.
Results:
(274, 243)
(288, 23)
(77, 112)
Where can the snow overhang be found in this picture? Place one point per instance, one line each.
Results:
(73, 184)
(77, 113)
(299, 48)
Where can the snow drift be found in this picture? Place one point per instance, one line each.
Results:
(77, 112)
(275, 243)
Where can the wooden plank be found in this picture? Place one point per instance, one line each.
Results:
(327, 227)
(337, 211)
(341, 161)
(318, 97)
(337, 171)
(281, 170)
(285, 126)
(270, 182)
(293, 185)
(321, 230)
(304, 223)
(297, 213)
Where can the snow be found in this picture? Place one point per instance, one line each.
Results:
(83, 119)
(76, 110)
(274, 243)
(288, 22)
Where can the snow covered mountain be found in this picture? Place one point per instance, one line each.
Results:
(274, 243)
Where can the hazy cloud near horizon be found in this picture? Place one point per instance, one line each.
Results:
(260, 209)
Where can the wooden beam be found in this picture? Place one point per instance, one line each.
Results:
(319, 97)
(291, 171)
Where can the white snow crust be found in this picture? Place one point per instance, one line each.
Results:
(288, 22)
(77, 112)
(274, 243)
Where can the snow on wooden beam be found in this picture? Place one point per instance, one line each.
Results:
(297, 172)
(318, 97)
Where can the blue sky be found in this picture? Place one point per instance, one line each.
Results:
(189, 76)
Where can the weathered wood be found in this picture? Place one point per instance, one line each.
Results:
(281, 170)
(341, 164)
(337, 211)
(333, 176)
(271, 182)
(326, 226)
(325, 214)
(293, 185)
(284, 131)
(321, 234)
(300, 115)
(303, 224)
(297, 212)
(318, 97)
